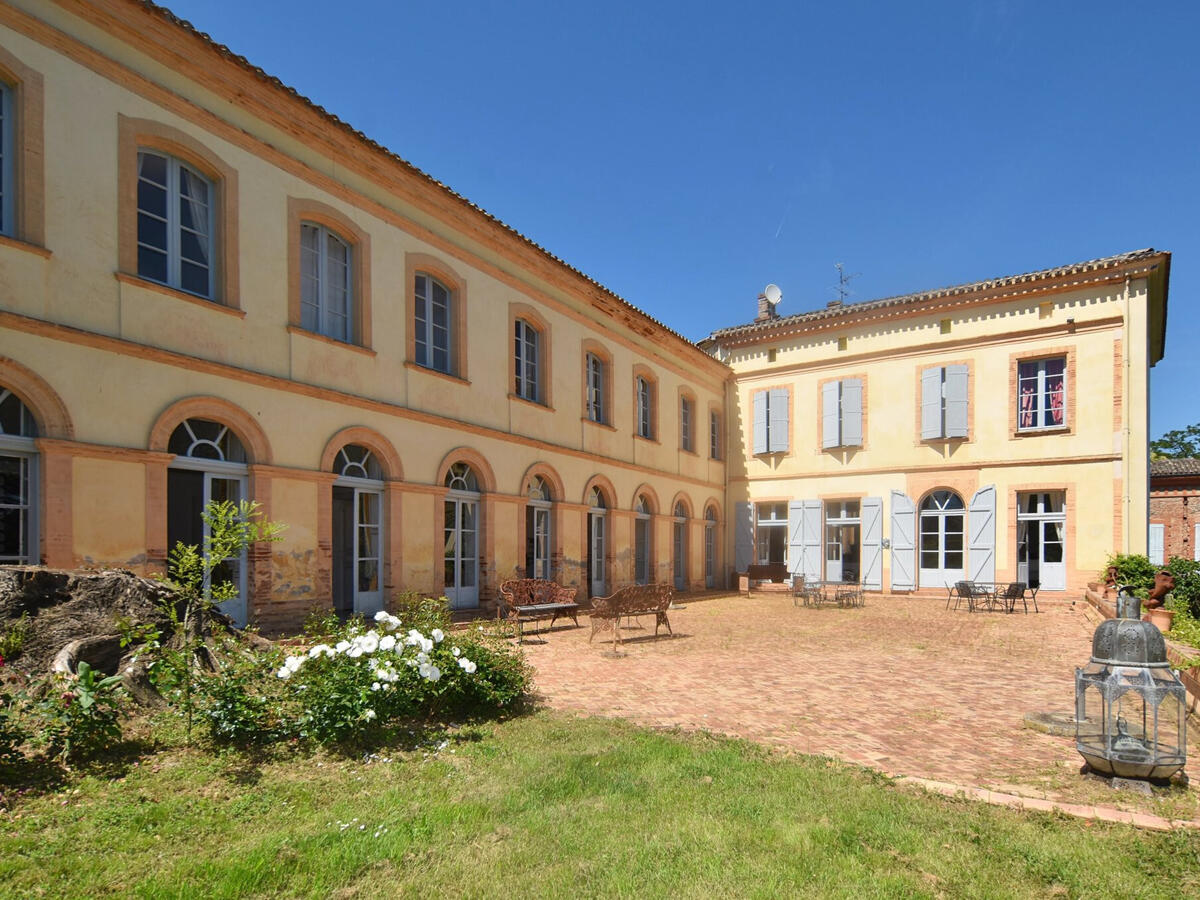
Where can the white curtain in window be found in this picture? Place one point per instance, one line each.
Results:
(193, 196)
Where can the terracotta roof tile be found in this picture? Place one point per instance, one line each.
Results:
(1092, 265)
(1169, 467)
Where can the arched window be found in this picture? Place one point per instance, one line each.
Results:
(210, 465)
(680, 545)
(641, 540)
(710, 548)
(538, 562)
(18, 482)
(461, 532)
(358, 536)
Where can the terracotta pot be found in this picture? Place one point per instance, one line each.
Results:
(1160, 618)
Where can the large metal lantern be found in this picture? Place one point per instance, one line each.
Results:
(1130, 707)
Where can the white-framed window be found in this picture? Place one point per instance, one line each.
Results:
(842, 413)
(770, 533)
(175, 224)
(527, 340)
(595, 389)
(8, 150)
(18, 482)
(645, 406)
(326, 292)
(538, 560)
(686, 407)
(714, 434)
(431, 325)
(1157, 543)
(944, 402)
(641, 540)
(772, 409)
(1042, 393)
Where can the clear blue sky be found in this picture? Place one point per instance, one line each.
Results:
(685, 154)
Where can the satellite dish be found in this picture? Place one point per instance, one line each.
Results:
(773, 294)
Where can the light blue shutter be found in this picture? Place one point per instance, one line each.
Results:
(981, 535)
(743, 536)
(852, 412)
(931, 404)
(795, 546)
(777, 437)
(956, 401)
(830, 403)
(811, 539)
(1157, 542)
(872, 543)
(904, 526)
(760, 424)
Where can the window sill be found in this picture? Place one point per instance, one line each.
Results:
(1048, 429)
(166, 291)
(434, 372)
(18, 244)
(312, 335)
(648, 440)
(603, 425)
(688, 452)
(534, 403)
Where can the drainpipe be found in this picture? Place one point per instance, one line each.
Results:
(1126, 436)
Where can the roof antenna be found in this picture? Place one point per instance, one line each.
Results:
(843, 289)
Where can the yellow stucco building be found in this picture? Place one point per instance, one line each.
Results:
(212, 288)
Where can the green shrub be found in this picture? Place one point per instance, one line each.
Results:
(1187, 584)
(77, 716)
(420, 612)
(12, 640)
(239, 703)
(1133, 569)
(12, 735)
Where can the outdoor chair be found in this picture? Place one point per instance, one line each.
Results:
(1017, 590)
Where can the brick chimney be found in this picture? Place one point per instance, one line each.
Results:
(766, 309)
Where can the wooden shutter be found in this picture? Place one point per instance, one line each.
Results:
(931, 404)
(871, 574)
(852, 412)
(956, 401)
(795, 545)
(830, 418)
(981, 535)
(760, 425)
(811, 539)
(777, 411)
(743, 536)
(904, 527)
(1157, 533)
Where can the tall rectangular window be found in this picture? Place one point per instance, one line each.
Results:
(714, 435)
(944, 402)
(1042, 394)
(526, 361)
(431, 324)
(595, 388)
(685, 423)
(325, 289)
(8, 149)
(842, 413)
(174, 224)
(644, 406)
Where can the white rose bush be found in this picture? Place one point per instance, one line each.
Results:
(362, 678)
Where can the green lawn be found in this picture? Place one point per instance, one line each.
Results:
(546, 805)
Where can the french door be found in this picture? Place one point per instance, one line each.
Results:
(941, 536)
(641, 550)
(189, 490)
(710, 555)
(597, 546)
(680, 556)
(357, 548)
(537, 551)
(1041, 540)
(18, 509)
(461, 555)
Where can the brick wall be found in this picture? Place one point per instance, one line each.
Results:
(1175, 504)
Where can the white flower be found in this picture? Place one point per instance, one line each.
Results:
(387, 642)
(382, 615)
(355, 651)
(422, 657)
(285, 672)
(369, 642)
(429, 672)
(369, 714)
(319, 649)
(466, 665)
(342, 646)
(413, 637)
(426, 644)
(455, 651)
(438, 635)
(375, 686)
(293, 663)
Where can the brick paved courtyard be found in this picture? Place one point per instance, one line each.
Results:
(902, 686)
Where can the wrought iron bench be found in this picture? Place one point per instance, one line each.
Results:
(535, 599)
(635, 600)
(766, 577)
